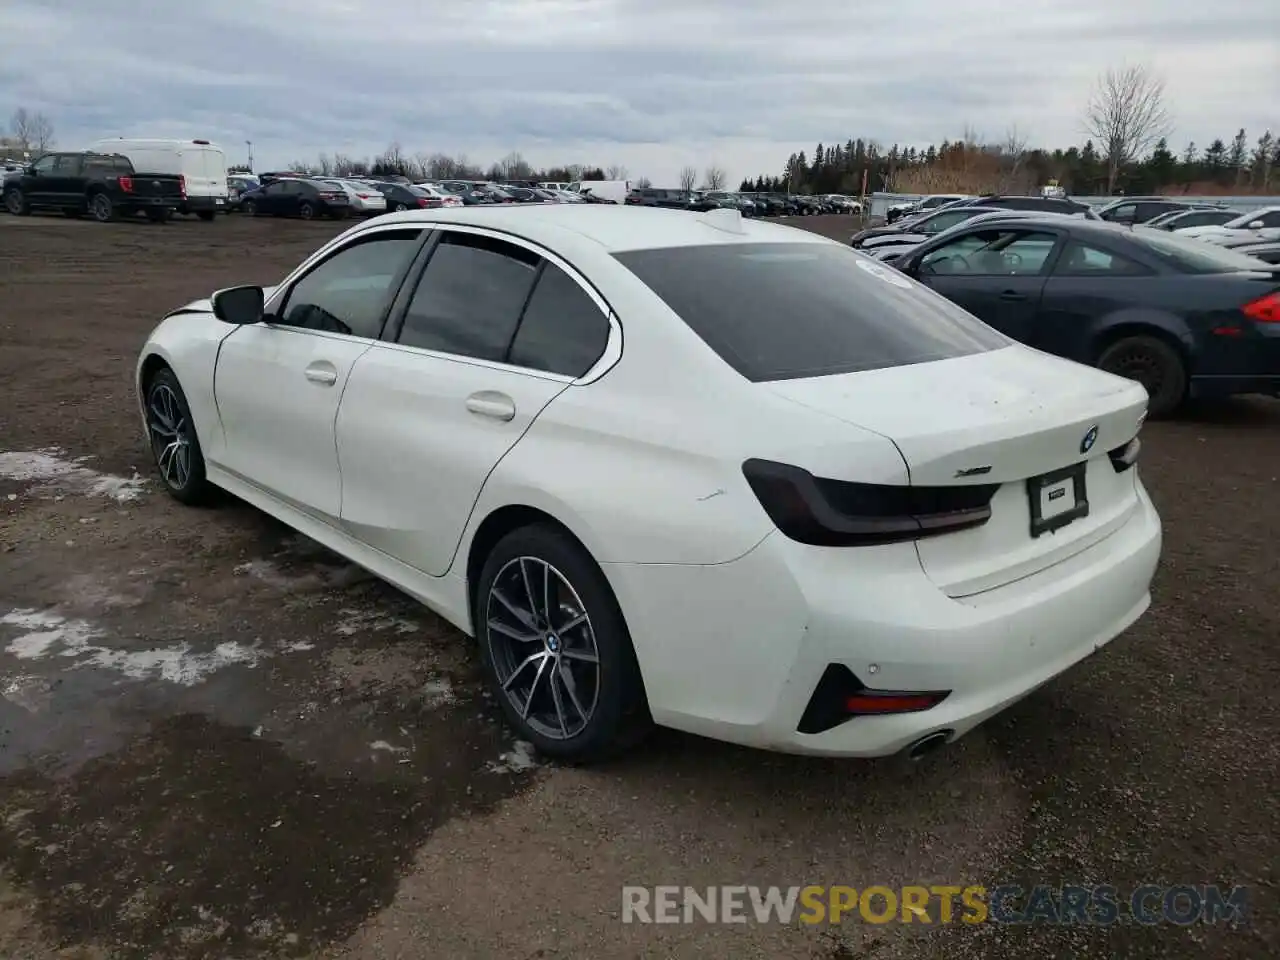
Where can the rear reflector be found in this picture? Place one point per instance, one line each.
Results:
(1122, 458)
(839, 696)
(1264, 309)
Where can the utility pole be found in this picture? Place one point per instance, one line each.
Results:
(249, 144)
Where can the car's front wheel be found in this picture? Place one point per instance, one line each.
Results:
(556, 647)
(16, 202)
(174, 443)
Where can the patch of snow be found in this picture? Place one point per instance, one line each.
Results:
(363, 621)
(519, 759)
(48, 634)
(298, 646)
(52, 473)
(26, 691)
(439, 692)
(387, 747)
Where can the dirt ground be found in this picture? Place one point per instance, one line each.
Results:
(219, 741)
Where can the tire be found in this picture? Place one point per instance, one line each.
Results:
(307, 211)
(206, 215)
(400, 208)
(249, 208)
(174, 444)
(159, 214)
(560, 724)
(1153, 363)
(16, 202)
(103, 210)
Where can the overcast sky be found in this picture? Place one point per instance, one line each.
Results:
(649, 84)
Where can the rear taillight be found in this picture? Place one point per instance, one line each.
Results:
(1264, 309)
(182, 186)
(423, 202)
(126, 184)
(840, 513)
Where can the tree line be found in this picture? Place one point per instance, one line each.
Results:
(1127, 150)
(28, 132)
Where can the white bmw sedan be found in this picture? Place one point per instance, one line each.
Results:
(716, 474)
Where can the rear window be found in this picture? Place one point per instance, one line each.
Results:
(1195, 256)
(781, 311)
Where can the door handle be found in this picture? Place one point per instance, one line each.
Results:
(1013, 295)
(491, 403)
(322, 373)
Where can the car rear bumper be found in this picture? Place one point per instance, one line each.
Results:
(202, 204)
(1206, 387)
(734, 651)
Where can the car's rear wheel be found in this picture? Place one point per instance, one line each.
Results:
(103, 210)
(556, 647)
(1153, 363)
(174, 443)
(15, 202)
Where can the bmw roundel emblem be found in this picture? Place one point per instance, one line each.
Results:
(1089, 440)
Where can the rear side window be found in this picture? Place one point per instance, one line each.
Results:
(562, 330)
(469, 300)
(1083, 260)
(1192, 256)
(780, 311)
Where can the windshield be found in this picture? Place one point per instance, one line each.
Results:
(1195, 256)
(780, 311)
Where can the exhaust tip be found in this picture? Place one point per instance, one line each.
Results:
(928, 744)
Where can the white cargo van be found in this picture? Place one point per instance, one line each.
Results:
(203, 165)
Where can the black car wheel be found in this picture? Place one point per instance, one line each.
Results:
(399, 208)
(174, 443)
(16, 202)
(103, 210)
(1154, 364)
(556, 647)
(307, 211)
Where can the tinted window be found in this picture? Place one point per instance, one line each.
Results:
(941, 221)
(1081, 260)
(469, 300)
(1122, 214)
(1202, 218)
(779, 311)
(274, 187)
(562, 330)
(350, 292)
(994, 252)
(1271, 219)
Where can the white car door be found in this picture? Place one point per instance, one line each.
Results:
(493, 331)
(277, 384)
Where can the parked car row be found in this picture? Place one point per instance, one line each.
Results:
(748, 204)
(1183, 317)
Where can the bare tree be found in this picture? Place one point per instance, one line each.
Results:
(325, 165)
(513, 167)
(1126, 114)
(715, 177)
(33, 131)
(301, 166)
(615, 171)
(688, 177)
(644, 183)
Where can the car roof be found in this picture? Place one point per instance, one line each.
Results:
(614, 227)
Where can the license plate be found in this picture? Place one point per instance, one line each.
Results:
(1056, 499)
(218, 202)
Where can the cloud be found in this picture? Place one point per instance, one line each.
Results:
(650, 84)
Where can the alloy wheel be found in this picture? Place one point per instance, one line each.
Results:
(13, 200)
(543, 647)
(1140, 365)
(170, 436)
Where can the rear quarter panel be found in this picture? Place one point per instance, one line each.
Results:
(1078, 315)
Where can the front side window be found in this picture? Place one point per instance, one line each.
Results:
(1123, 213)
(351, 290)
(45, 164)
(780, 311)
(991, 253)
(469, 300)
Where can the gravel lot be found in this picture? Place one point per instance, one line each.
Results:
(217, 740)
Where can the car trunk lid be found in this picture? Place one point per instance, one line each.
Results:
(1038, 426)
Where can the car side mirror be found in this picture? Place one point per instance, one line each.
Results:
(1256, 225)
(239, 305)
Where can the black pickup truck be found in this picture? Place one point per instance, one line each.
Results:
(103, 185)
